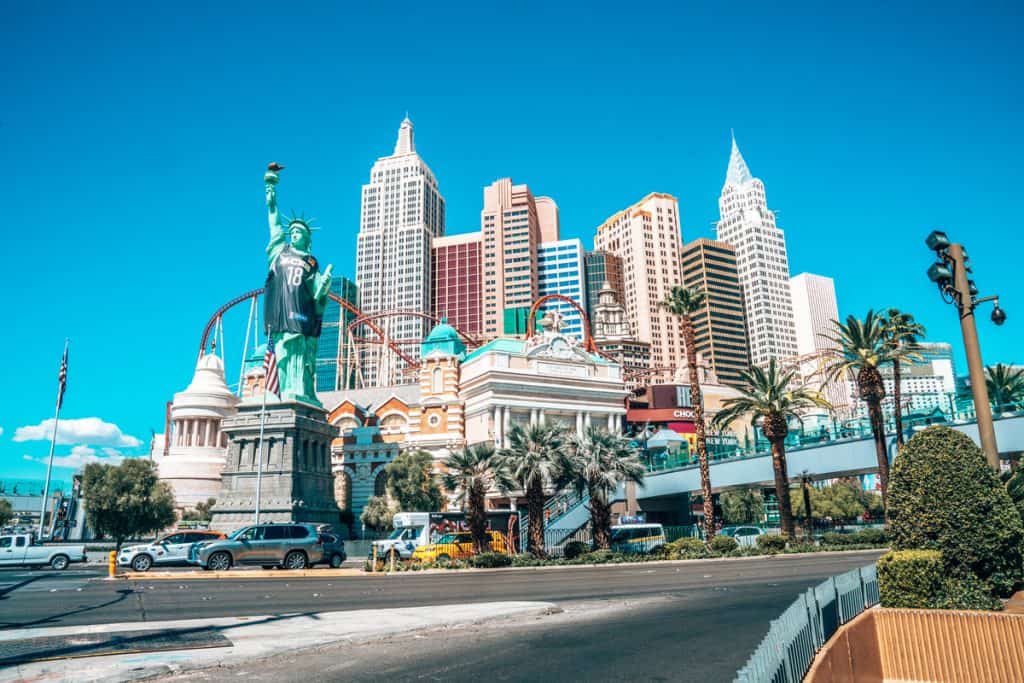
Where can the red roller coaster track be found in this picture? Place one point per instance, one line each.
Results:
(588, 341)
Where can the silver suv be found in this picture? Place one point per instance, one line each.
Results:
(289, 545)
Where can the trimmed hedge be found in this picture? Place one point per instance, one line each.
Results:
(918, 579)
(772, 542)
(724, 544)
(574, 549)
(490, 560)
(943, 496)
(684, 548)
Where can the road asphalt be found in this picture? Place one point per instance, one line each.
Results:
(695, 620)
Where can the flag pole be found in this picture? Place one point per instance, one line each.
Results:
(53, 438)
(259, 447)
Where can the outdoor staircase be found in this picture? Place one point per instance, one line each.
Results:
(564, 514)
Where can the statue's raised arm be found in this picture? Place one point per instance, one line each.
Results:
(277, 235)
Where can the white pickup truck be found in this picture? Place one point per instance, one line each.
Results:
(19, 550)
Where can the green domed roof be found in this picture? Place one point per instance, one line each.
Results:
(444, 338)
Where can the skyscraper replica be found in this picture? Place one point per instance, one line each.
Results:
(560, 267)
(721, 331)
(814, 309)
(402, 212)
(646, 239)
(748, 224)
(456, 281)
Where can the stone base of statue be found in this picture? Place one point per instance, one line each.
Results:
(296, 484)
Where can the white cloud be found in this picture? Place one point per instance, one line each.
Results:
(80, 456)
(1, 431)
(86, 430)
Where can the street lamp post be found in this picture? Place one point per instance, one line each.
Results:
(950, 274)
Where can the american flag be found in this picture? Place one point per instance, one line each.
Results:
(270, 369)
(62, 377)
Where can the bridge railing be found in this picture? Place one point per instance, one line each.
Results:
(787, 651)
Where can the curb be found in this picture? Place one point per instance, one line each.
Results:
(255, 574)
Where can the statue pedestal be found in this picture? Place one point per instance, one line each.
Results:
(297, 484)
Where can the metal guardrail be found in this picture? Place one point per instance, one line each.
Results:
(786, 652)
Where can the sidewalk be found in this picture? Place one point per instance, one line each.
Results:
(246, 639)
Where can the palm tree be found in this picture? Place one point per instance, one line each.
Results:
(471, 472)
(901, 332)
(863, 348)
(684, 302)
(532, 461)
(597, 462)
(1005, 386)
(770, 401)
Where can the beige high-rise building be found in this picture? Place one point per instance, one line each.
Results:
(511, 231)
(547, 215)
(647, 239)
(814, 309)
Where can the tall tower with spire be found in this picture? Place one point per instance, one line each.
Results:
(402, 212)
(761, 261)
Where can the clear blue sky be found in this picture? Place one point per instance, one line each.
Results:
(133, 142)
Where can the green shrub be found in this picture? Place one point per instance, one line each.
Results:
(574, 549)
(724, 544)
(527, 560)
(802, 548)
(772, 542)
(833, 538)
(910, 578)
(943, 496)
(490, 560)
(871, 536)
(600, 557)
(686, 545)
(919, 579)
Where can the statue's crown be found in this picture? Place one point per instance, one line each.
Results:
(303, 222)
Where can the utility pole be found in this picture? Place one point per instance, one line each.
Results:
(950, 274)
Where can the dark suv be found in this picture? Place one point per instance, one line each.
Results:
(289, 545)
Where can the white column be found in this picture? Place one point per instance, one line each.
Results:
(541, 416)
(497, 426)
(507, 418)
(611, 423)
(533, 416)
(586, 419)
(195, 432)
(579, 423)
(209, 428)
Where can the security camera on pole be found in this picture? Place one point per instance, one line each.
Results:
(950, 274)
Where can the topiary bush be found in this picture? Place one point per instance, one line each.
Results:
(490, 560)
(574, 549)
(724, 544)
(944, 497)
(775, 543)
(910, 578)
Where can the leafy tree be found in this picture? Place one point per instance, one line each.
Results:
(597, 461)
(1005, 387)
(770, 402)
(532, 460)
(902, 333)
(742, 506)
(412, 485)
(377, 515)
(684, 302)
(201, 512)
(945, 497)
(844, 500)
(6, 512)
(863, 348)
(470, 473)
(126, 500)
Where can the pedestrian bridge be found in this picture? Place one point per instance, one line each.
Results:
(839, 458)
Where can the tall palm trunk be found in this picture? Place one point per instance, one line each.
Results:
(476, 517)
(697, 399)
(897, 412)
(878, 431)
(601, 521)
(808, 517)
(535, 522)
(782, 487)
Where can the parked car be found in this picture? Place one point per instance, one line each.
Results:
(21, 550)
(637, 538)
(745, 535)
(170, 550)
(289, 545)
(334, 550)
(456, 546)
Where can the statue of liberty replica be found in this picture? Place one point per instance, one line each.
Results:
(278, 466)
(294, 299)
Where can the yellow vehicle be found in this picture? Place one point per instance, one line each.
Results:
(456, 546)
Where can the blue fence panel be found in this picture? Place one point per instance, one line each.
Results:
(788, 649)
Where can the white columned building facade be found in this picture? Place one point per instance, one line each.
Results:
(761, 262)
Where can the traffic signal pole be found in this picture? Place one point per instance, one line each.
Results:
(976, 370)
